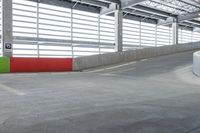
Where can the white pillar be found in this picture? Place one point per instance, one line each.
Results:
(118, 30)
(175, 31)
(7, 37)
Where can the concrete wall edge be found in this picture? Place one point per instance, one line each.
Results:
(87, 62)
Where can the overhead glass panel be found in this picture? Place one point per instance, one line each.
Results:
(148, 35)
(163, 36)
(131, 34)
(42, 30)
(107, 34)
(195, 37)
(54, 31)
(85, 33)
(25, 28)
(185, 36)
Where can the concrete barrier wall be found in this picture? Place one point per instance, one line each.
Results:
(16, 64)
(196, 63)
(87, 62)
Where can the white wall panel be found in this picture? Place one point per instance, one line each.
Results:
(131, 34)
(107, 34)
(42, 30)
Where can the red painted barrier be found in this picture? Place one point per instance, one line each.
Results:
(40, 64)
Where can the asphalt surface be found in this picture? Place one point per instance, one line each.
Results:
(159, 95)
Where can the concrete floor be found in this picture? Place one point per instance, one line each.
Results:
(159, 95)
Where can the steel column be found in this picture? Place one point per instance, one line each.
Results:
(7, 37)
(140, 34)
(118, 30)
(156, 44)
(99, 34)
(175, 31)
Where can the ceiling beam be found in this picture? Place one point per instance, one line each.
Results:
(166, 22)
(94, 3)
(111, 9)
(189, 16)
(152, 10)
(140, 18)
(180, 18)
(191, 2)
(129, 3)
(112, 1)
(137, 18)
(144, 14)
(190, 24)
(124, 4)
(186, 27)
(194, 22)
(196, 29)
(68, 4)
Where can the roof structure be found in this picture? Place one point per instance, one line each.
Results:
(161, 12)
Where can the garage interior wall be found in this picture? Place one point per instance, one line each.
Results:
(42, 30)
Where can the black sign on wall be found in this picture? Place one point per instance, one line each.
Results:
(8, 46)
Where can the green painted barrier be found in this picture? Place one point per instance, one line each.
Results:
(4, 64)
